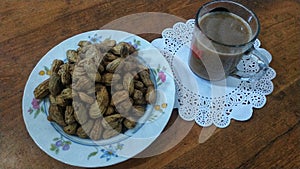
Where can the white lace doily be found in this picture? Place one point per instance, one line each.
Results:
(212, 103)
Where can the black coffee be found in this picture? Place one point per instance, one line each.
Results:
(216, 57)
(226, 28)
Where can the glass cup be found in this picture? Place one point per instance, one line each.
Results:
(224, 32)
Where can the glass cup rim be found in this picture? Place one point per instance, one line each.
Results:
(235, 3)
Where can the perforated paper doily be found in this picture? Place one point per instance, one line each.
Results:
(212, 103)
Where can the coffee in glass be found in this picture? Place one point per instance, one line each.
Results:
(224, 32)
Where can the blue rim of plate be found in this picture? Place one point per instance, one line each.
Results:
(67, 150)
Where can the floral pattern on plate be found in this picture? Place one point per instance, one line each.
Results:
(60, 143)
(36, 107)
(107, 152)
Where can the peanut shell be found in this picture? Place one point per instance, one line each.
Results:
(96, 132)
(42, 90)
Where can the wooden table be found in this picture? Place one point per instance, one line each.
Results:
(270, 139)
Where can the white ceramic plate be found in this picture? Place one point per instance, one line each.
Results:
(84, 152)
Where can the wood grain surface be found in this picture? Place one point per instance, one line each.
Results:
(270, 139)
